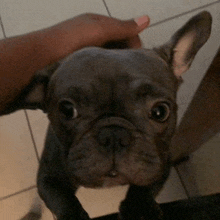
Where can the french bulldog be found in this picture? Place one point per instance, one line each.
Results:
(112, 115)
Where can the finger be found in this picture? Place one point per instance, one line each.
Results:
(118, 30)
(134, 42)
(135, 26)
(142, 22)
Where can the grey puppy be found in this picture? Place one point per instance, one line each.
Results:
(112, 116)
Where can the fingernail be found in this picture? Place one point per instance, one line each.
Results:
(142, 20)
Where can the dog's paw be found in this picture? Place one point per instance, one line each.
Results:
(140, 216)
(79, 216)
(129, 212)
(31, 216)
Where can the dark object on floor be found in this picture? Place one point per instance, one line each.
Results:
(198, 208)
(31, 216)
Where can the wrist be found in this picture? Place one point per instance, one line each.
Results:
(55, 43)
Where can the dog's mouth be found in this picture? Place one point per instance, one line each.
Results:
(114, 178)
(114, 153)
(109, 179)
(108, 173)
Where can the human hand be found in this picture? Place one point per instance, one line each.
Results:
(96, 30)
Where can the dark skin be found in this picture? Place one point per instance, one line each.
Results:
(22, 56)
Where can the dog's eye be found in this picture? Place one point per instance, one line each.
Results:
(68, 110)
(160, 112)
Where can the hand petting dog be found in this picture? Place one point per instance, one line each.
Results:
(22, 56)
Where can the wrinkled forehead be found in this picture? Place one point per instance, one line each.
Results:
(90, 65)
(97, 61)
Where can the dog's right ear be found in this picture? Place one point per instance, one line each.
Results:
(33, 95)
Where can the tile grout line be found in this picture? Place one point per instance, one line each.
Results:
(17, 193)
(152, 25)
(184, 13)
(182, 182)
(170, 18)
(108, 11)
(3, 28)
(32, 136)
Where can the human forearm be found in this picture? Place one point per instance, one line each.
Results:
(20, 58)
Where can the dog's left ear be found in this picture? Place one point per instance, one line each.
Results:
(33, 95)
(180, 51)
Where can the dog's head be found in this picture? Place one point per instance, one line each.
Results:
(114, 111)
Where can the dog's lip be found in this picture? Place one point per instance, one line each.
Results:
(112, 173)
(113, 177)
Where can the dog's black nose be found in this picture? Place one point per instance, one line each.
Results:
(114, 137)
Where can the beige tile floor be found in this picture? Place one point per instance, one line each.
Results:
(22, 133)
